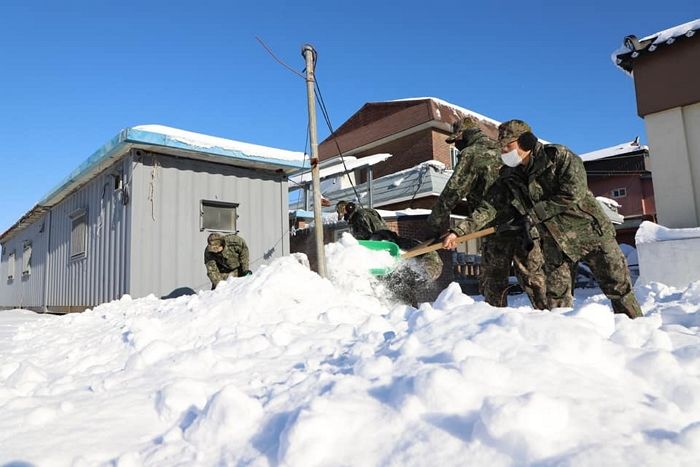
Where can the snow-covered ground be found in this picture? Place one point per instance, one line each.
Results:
(285, 368)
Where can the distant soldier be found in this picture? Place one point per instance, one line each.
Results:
(225, 256)
(408, 284)
(363, 221)
(548, 186)
(476, 171)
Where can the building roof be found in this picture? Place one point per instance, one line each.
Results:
(338, 166)
(633, 47)
(620, 149)
(376, 123)
(165, 140)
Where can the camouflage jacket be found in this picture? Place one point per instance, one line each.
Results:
(364, 222)
(552, 190)
(476, 170)
(232, 261)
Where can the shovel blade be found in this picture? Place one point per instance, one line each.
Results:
(382, 245)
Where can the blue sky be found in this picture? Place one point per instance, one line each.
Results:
(76, 72)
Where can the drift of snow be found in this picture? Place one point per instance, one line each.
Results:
(286, 368)
(650, 232)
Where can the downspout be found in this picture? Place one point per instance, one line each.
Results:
(370, 201)
(47, 269)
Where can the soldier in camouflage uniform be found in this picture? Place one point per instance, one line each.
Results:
(225, 256)
(477, 169)
(367, 224)
(363, 221)
(548, 185)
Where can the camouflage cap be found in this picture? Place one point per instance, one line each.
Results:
(511, 130)
(215, 239)
(460, 126)
(340, 208)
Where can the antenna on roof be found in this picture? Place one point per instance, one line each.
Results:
(636, 141)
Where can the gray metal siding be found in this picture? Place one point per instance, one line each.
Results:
(101, 275)
(25, 290)
(167, 245)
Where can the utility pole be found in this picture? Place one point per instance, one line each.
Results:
(310, 56)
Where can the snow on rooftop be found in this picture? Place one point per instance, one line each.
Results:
(206, 141)
(688, 29)
(624, 148)
(449, 104)
(343, 166)
(608, 201)
(667, 36)
(650, 232)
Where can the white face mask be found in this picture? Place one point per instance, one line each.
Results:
(511, 159)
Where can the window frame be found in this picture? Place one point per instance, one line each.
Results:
(11, 269)
(621, 192)
(76, 216)
(27, 258)
(205, 203)
(454, 156)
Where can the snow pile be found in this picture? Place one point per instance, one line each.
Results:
(650, 232)
(285, 368)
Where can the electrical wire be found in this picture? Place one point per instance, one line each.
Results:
(326, 117)
(277, 59)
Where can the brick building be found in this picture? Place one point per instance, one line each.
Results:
(621, 173)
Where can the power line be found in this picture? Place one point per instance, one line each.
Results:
(277, 59)
(326, 117)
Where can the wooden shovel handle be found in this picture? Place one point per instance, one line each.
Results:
(420, 249)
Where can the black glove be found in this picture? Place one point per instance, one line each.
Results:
(515, 225)
(248, 273)
(519, 224)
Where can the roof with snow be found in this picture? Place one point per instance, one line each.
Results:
(620, 149)
(165, 140)
(633, 47)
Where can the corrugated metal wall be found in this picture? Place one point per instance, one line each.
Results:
(167, 243)
(25, 290)
(101, 275)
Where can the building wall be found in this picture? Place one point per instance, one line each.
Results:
(632, 202)
(674, 139)
(25, 290)
(408, 151)
(101, 274)
(167, 247)
(667, 78)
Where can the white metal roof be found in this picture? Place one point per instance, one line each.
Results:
(624, 148)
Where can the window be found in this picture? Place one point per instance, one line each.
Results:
(454, 153)
(217, 215)
(11, 266)
(27, 259)
(78, 234)
(619, 192)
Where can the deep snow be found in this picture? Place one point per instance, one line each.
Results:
(285, 368)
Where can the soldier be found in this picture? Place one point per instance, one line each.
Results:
(410, 283)
(363, 221)
(548, 186)
(477, 169)
(225, 256)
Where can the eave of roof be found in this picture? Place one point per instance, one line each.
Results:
(624, 148)
(166, 141)
(624, 56)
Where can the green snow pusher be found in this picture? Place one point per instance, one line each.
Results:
(383, 245)
(425, 247)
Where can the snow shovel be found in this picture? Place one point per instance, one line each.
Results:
(382, 245)
(425, 247)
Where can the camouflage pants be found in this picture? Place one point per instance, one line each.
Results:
(609, 268)
(497, 254)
